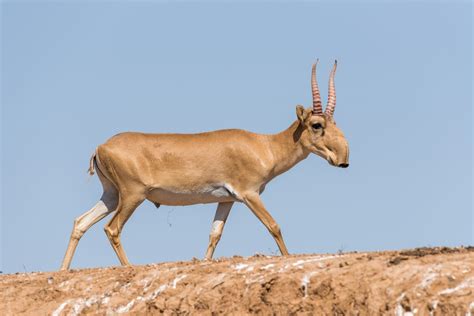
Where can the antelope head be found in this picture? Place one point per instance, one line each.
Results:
(318, 132)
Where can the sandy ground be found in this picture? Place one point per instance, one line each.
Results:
(424, 281)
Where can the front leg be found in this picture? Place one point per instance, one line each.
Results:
(220, 218)
(255, 204)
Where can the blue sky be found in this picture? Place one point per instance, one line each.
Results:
(74, 74)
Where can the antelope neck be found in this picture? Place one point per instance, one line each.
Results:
(286, 148)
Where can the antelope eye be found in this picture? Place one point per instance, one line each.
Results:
(317, 126)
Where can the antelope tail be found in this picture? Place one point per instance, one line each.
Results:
(91, 169)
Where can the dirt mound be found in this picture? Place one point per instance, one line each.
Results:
(423, 281)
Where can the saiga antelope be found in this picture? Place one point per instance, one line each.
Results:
(223, 167)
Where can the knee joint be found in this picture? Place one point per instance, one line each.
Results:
(214, 237)
(77, 232)
(111, 233)
(275, 229)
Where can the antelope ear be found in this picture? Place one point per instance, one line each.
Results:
(301, 113)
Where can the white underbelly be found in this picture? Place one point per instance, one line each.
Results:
(211, 194)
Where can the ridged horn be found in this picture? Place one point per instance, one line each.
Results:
(331, 106)
(317, 105)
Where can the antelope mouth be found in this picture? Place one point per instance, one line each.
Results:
(339, 165)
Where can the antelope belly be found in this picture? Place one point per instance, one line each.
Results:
(167, 196)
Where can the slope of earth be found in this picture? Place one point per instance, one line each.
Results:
(423, 281)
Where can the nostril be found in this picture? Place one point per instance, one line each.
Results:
(343, 165)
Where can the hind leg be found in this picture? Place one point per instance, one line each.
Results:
(104, 207)
(127, 205)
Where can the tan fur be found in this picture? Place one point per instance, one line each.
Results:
(222, 167)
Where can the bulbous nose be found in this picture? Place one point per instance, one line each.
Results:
(343, 165)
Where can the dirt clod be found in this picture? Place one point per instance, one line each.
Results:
(396, 260)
